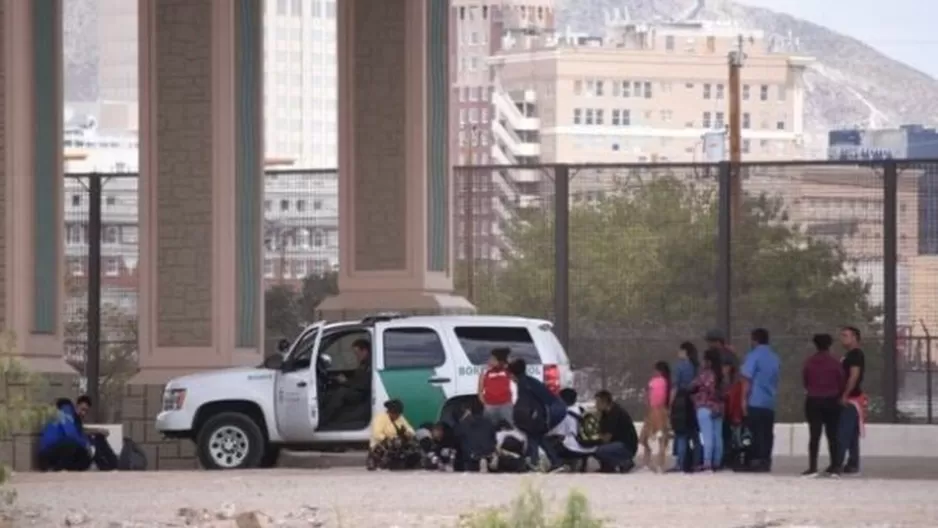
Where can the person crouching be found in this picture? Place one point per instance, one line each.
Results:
(393, 443)
(476, 437)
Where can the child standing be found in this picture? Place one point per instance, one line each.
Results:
(657, 417)
(495, 387)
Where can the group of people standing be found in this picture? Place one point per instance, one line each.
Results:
(723, 414)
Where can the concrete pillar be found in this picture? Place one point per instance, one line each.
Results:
(32, 279)
(201, 186)
(394, 163)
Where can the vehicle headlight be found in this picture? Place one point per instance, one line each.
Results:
(173, 399)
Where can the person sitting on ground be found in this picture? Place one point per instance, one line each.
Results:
(62, 444)
(575, 438)
(438, 446)
(393, 441)
(536, 411)
(655, 428)
(476, 437)
(617, 434)
(104, 457)
(510, 449)
(495, 387)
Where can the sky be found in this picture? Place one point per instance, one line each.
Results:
(902, 29)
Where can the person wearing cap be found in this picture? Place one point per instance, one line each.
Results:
(393, 441)
(716, 340)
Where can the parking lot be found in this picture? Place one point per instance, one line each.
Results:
(892, 493)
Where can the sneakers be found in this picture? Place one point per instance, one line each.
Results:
(851, 472)
(809, 473)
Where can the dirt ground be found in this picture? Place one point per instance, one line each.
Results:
(893, 493)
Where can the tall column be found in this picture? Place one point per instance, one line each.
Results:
(394, 161)
(32, 280)
(201, 185)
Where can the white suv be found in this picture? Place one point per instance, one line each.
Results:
(241, 417)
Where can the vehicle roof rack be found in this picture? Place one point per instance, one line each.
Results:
(382, 317)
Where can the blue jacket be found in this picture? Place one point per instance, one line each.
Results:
(64, 427)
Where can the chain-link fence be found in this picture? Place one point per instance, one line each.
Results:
(631, 260)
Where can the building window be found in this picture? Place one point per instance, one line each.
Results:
(746, 146)
(112, 267)
(578, 87)
(626, 118)
(284, 205)
(637, 89)
(599, 116)
(745, 92)
(719, 121)
(780, 125)
(764, 92)
(669, 43)
(110, 235)
(615, 118)
(626, 89)
(76, 200)
(300, 205)
(747, 120)
(73, 235)
(577, 116)
(720, 91)
(318, 239)
(110, 201)
(706, 91)
(707, 121)
(647, 90)
(317, 205)
(589, 116)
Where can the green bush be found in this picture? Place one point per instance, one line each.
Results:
(18, 387)
(528, 510)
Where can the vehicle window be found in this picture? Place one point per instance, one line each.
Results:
(299, 358)
(478, 342)
(339, 348)
(412, 348)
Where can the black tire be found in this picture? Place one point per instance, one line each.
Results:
(271, 456)
(247, 442)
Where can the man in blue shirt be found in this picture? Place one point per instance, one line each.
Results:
(760, 372)
(63, 445)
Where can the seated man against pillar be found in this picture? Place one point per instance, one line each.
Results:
(352, 390)
(65, 446)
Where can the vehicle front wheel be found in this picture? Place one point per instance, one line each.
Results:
(230, 440)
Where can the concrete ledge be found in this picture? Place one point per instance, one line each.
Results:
(880, 440)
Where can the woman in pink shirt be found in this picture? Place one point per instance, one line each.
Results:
(657, 416)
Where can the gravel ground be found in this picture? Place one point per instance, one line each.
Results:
(354, 498)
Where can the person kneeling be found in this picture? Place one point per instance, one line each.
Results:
(393, 443)
(475, 435)
(510, 449)
(62, 445)
(438, 446)
(617, 434)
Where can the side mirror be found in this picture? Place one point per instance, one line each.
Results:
(283, 345)
(274, 362)
(326, 359)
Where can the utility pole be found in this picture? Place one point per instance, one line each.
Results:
(736, 58)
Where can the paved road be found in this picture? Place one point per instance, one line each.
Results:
(876, 468)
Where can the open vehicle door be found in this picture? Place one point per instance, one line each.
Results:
(297, 399)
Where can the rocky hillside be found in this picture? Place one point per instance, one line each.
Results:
(851, 84)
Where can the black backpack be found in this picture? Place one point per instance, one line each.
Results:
(132, 458)
(529, 414)
(587, 428)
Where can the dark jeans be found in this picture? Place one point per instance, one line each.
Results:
(337, 399)
(822, 414)
(537, 442)
(761, 422)
(848, 439)
(65, 456)
(727, 434)
(614, 457)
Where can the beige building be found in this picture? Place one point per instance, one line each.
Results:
(647, 93)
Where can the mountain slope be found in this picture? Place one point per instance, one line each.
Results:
(852, 84)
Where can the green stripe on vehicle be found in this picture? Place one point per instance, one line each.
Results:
(422, 400)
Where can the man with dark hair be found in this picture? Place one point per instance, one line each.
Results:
(617, 434)
(853, 402)
(760, 373)
(536, 412)
(352, 390)
(63, 445)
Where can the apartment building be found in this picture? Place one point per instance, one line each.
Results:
(650, 92)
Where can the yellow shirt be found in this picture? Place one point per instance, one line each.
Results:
(382, 428)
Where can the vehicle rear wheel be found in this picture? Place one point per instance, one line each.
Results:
(230, 440)
(271, 456)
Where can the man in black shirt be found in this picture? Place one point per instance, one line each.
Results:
(848, 430)
(618, 436)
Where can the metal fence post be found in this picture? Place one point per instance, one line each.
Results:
(725, 250)
(93, 338)
(469, 233)
(890, 288)
(929, 396)
(562, 254)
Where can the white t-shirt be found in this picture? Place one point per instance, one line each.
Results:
(500, 437)
(568, 429)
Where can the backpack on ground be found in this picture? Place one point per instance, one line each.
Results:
(587, 429)
(132, 458)
(529, 415)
